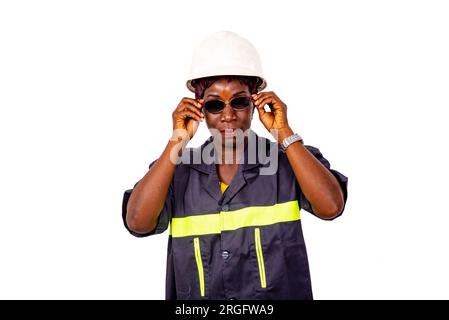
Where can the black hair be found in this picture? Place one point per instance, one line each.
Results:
(202, 84)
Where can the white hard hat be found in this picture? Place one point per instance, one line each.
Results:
(224, 54)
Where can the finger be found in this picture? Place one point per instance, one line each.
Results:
(261, 111)
(194, 102)
(201, 103)
(274, 96)
(189, 114)
(259, 97)
(263, 93)
(197, 107)
(262, 101)
(194, 109)
(190, 101)
(272, 103)
(183, 114)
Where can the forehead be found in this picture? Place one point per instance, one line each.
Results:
(226, 87)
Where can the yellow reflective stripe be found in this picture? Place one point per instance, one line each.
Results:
(260, 261)
(233, 220)
(195, 225)
(199, 264)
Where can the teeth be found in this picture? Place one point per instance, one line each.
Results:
(229, 130)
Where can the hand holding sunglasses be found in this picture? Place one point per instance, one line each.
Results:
(276, 118)
(186, 117)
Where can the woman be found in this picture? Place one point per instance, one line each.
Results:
(235, 230)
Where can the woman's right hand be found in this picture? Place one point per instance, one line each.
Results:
(188, 115)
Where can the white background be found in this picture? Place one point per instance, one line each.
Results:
(87, 89)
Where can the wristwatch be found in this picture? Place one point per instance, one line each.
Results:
(289, 140)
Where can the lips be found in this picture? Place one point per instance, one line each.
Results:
(227, 132)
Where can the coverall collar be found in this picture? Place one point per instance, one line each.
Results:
(211, 185)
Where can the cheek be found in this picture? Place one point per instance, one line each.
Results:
(247, 118)
(211, 120)
(251, 113)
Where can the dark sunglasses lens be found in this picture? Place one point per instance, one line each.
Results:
(240, 103)
(214, 106)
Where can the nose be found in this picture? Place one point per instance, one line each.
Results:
(228, 113)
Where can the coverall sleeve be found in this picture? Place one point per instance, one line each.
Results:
(164, 217)
(342, 180)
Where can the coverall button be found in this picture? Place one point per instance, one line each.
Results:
(225, 255)
(225, 208)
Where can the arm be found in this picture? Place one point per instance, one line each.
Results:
(148, 197)
(319, 186)
(317, 183)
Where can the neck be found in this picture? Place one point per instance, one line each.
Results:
(230, 152)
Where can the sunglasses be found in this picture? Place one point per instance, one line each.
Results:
(217, 106)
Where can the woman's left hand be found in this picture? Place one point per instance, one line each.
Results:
(276, 118)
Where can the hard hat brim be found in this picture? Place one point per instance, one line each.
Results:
(262, 86)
